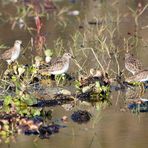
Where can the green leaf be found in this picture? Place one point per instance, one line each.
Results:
(33, 70)
(2, 46)
(77, 84)
(35, 112)
(17, 102)
(24, 111)
(7, 100)
(98, 84)
(14, 78)
(28, 99)
(48, 52)
(3, 133)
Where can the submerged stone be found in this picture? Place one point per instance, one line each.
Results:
(81, 116)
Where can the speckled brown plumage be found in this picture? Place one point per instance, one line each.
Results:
(57, 65)
(141, 76)
(12, 54)
(132, 64)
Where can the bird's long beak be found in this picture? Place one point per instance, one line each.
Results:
(22, 45)
(73, 57)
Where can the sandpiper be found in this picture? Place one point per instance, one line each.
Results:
(58, 65)
(132, 64)
(13, 53)
(141, 76)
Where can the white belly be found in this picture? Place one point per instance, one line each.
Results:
(15, 55)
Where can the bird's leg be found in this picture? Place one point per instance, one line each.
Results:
(9, 66)
(17, 63)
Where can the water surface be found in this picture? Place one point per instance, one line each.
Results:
(115, 126)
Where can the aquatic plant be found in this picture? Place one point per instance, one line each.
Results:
(96, 85)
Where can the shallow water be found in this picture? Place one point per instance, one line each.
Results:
(115, 126)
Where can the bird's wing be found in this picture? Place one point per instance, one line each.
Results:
(134, 61)
(56, 63)
(7, 54)
(47, 65)
(139, 64)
